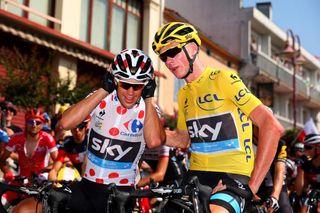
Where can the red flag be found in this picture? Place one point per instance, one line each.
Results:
(301, 135)
(309, 128)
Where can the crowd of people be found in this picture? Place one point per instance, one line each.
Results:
(225, 136)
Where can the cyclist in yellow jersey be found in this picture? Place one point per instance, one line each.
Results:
(215, 114)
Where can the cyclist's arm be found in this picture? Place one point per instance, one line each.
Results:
(84, 164)
(269, 135)
(79, 111)
(54, 155)
(158, 175)
(154, 134)
(299, 182)
(279, 174)
(178, 138)
(53, 174)
(3, 165)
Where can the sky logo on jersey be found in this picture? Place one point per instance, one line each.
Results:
(112, 149)
(213, 134)
(133, 125)
(209, 102)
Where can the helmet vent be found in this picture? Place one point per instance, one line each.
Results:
(120, 63)
(172, 29)
(184, 31)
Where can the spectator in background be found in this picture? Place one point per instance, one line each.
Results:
(32, 147)
(4, 138)
(72, 153)
(298, 150)
(47, 124)
(10, 110)
(298, 153)
(59, 133)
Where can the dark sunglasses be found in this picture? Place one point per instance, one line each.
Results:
(170, 53)
(308, 147)
(33, 122)
(81, 125)
(127, 86)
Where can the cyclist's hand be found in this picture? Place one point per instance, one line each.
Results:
(8, 176)
(219, 187)
(239, 188)
(148, 90)
(272, 202)
(107, 82)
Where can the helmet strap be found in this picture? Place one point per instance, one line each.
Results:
(191, 60)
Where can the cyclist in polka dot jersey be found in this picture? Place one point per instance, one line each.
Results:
(117, 137)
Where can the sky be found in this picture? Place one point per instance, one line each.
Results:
(301, 16)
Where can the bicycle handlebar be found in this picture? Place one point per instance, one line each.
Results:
(41, 191)
(4, 187)
(196, 191)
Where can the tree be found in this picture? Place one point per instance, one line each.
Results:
(31, 81)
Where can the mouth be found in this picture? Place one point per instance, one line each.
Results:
(129, 99)
(172, 67)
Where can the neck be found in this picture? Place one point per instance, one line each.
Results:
(198, 68)
(32, 136)
(78, 140)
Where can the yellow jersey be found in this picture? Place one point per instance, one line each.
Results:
(214, 109)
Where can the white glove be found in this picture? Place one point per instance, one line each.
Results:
(272, 202)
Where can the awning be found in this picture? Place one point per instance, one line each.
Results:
(53, 39)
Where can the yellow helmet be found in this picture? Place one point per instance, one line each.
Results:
(174, 32)
(63, 108)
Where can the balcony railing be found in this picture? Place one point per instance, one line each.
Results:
(315, 94)
(277, 71)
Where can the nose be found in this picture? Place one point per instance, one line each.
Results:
(130, 90)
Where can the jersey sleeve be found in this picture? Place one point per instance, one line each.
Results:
(61, 155)
(233, 87)
(51, 143)
(164, 151)
(11, 145)
(281, 154)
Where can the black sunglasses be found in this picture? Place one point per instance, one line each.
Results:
(170, 53)
(127, 86)
(33, 122)
(82, 125)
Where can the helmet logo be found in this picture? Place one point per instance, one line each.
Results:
(188, 36)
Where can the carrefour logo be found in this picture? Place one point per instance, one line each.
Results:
(133, 125)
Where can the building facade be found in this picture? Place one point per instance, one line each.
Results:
(86, 34)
